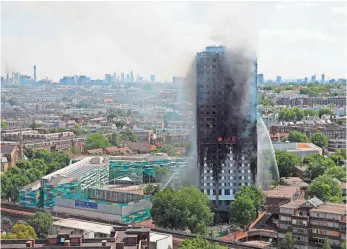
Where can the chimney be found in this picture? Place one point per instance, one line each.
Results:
(67, 243)
(29, 243)
(103, 243)
(119, 245)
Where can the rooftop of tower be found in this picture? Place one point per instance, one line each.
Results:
(215, 48)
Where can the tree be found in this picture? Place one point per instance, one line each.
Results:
(311, 113)
(326, 244)
(286, 163)
(35, 125)
(325, 188)
(318, 164)
(254, 193)
(41, 162)
(182, 209)
(269, 88)
(319, 139)
(338, 160)
(287, 243)
(127, 135)
(199, 243)
(96, 141)
(168, 149)
(28, 152)
(151, 189)
(120, 123)
(295, 136)
(265, 101)
(344, 245)
(338, 173)
(4, 125)
(42, 222)
(116, 138)
(131, 136)
(325, 111)
(20, 231)
(114, 113)
(341, 152)
(242, 211)
(161, 173)
(287, 114)
(299, 114)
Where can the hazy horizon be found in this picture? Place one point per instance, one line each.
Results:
(294, 40)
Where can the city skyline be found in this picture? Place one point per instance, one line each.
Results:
(126, 77)
(141, 36)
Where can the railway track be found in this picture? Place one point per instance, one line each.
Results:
(24, 211)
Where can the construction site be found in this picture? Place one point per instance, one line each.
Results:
(111, 187)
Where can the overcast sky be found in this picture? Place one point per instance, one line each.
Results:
(293, 40)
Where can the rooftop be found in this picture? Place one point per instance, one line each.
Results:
(281, 191)
(85, 226)
(329, 207)
(294, 146)
(76, 170)
(7, 149)
(294, 181)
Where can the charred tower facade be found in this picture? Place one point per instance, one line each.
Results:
(226, 112)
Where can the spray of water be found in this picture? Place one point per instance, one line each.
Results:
(267, 171)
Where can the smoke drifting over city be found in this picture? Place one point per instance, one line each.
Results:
(237, 117)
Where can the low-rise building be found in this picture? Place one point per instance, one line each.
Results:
(335, 144)
(177, 138)
(330, 130)
(294, 182)
(277, 137)
(143, 135)
(312, 222)
(4, 163)
(279, 196)
(299, 149)
(302, 173)
(11, 152)
(80, 234)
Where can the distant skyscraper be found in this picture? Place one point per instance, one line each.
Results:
(152, 78)
(132, 79)
(226, 127)
(75, 79)
(107, 79)
(306, 80)
(313, 78)
(323, 78)
(128, 77)
(260, 78)
(122, 76)
(341, 80)
(34, 73)
(83, 80)
(114, 77)
(278, 79)
(332, 81)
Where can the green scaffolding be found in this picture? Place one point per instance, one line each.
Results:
(142, 172)
(30, 198)
(139, 172)
(70, 190)
(136, 217)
